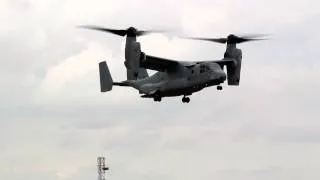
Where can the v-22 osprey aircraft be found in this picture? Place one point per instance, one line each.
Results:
(173, 78)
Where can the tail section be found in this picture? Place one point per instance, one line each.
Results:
(233, 69)
(133, 57)
(106, 81)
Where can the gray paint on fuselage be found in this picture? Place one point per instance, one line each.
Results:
(183, 81)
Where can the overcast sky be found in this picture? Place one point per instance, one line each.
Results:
(54, 121)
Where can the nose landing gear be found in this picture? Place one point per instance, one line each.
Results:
(157, 98)
(219, 88)
(185, 99)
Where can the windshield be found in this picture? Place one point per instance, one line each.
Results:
(204, 68)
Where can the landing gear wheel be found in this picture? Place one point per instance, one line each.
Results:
(157, 98)
(219, 88)
(185, 99)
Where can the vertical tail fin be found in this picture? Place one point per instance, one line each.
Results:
(106, 81)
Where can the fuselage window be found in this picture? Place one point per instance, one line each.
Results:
(202, 69)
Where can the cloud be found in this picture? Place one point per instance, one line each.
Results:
(268, 173)
(54, 121)
(74, 67)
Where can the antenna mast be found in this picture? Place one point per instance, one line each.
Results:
(102, 168)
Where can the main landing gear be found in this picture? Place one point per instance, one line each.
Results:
(219, 88)
(157, 98)
(185, 99)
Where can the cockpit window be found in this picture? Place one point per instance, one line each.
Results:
(203, 68)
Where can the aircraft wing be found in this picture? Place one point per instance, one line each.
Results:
(220, 62)
(223, 61)
(163, 64)
(159, 64)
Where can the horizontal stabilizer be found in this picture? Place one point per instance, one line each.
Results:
(106, 81)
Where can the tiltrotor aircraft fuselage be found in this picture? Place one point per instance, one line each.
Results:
(173, 78)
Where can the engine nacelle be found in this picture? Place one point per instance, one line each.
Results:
(133, 60)
(142, 57)
(234, 69)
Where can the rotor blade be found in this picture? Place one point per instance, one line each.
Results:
(242, 40)
(113, 31)
(218, 40)
(252, 35)
(231, 38)
(141, 33)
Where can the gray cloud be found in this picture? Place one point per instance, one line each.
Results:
(268, 173)
(271, 120)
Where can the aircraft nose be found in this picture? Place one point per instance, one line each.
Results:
(220, 75)
(223, 76)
